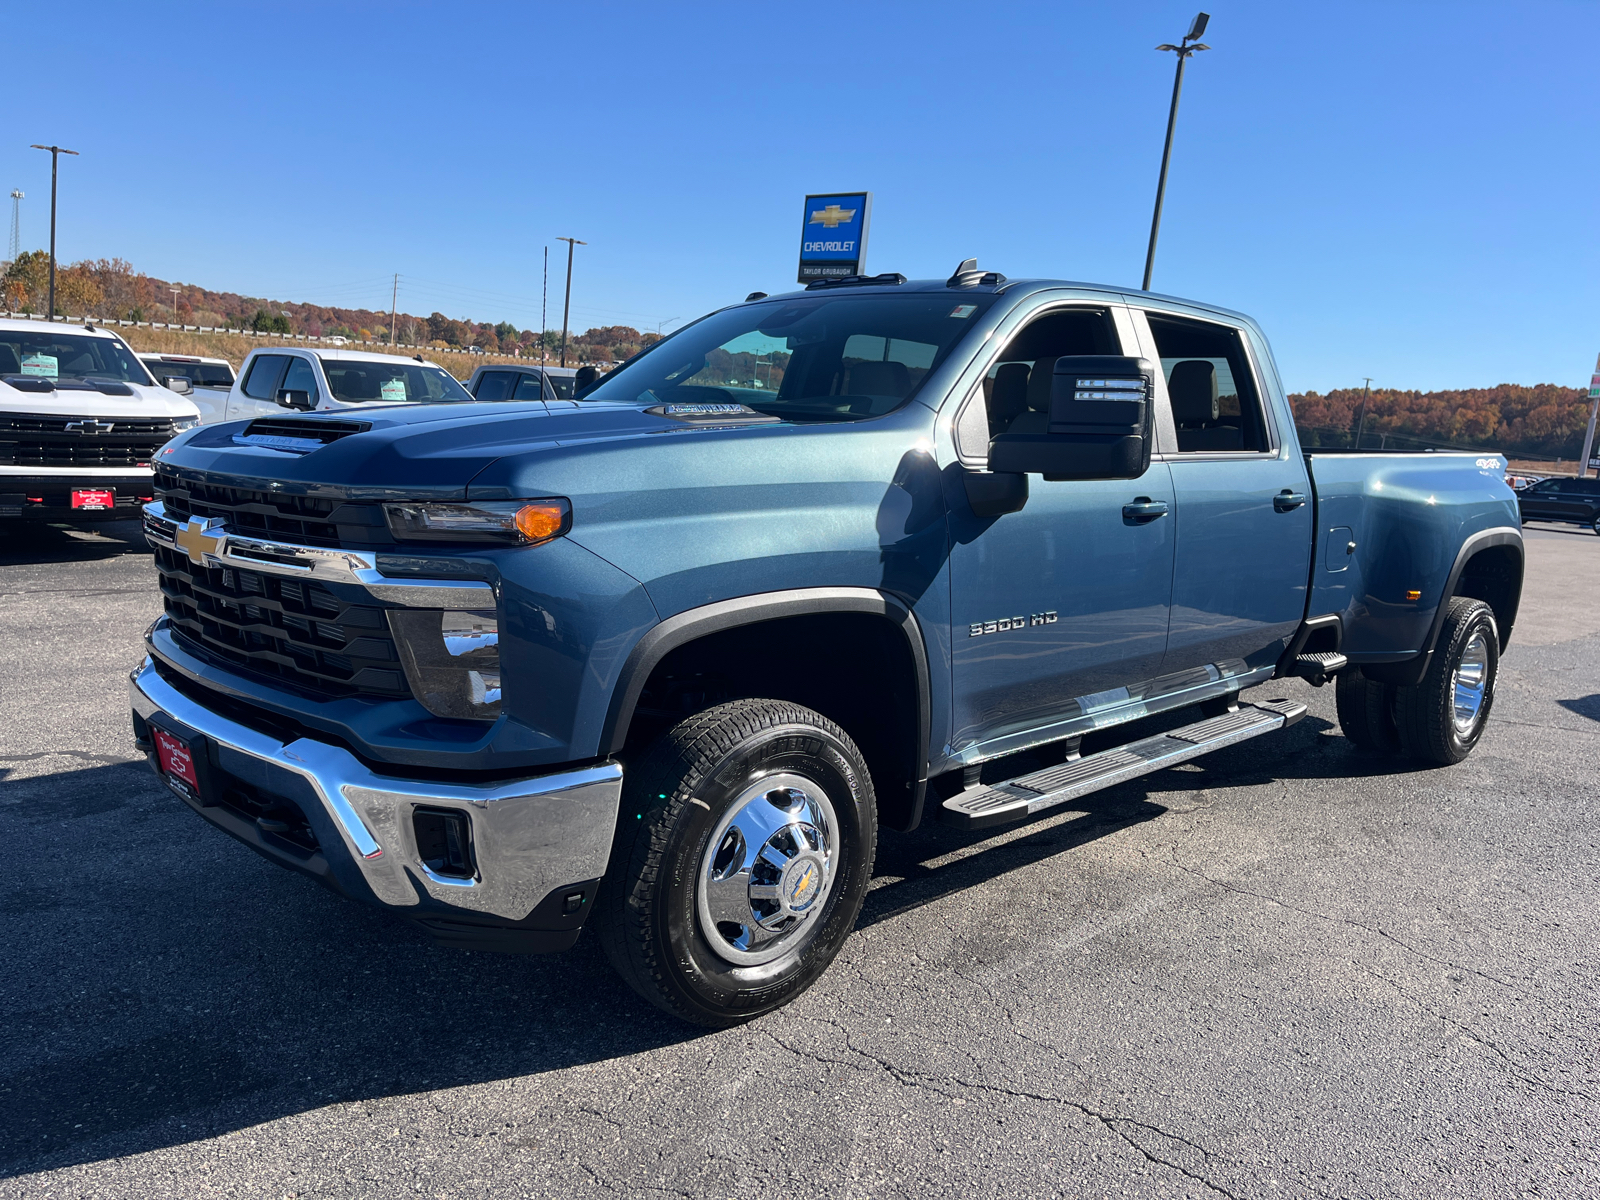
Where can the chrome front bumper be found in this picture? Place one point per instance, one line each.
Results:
(529, 836)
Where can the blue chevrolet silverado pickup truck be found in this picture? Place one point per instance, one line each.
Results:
(666, 659)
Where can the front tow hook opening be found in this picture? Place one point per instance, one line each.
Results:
(444, 843)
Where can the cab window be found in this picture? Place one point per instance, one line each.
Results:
(1017, 387)
(265, 371)
(529, 387)
(495, 385)
(1215, 405)
(300, 378)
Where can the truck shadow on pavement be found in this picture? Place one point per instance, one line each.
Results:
(27, 545)
(166, 986)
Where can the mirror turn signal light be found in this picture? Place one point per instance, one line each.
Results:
(1413, 594)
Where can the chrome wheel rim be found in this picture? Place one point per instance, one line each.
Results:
(767, 869)
(1469, 683)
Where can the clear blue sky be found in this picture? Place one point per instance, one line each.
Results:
(1401, 190)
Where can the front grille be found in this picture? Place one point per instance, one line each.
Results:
(308, 520)
(27, 440)
(292, 631)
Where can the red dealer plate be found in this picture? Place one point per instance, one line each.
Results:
(94, 498)
(177, 763)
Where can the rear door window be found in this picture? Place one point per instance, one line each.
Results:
(529, 387)
(265, 372)
(1212, 389)
(495, 385)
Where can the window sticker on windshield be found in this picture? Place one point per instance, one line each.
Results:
(393, 389)
(40, 364)
(962, 311)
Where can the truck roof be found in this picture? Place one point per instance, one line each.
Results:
(23, 324)
(890, 284)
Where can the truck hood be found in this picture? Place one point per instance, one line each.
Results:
(72, 401)
(413, 451)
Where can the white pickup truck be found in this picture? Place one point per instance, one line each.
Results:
(81, 419)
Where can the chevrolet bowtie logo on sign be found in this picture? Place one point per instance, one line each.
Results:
(833, 236)
(90, 426)
(199, 539)
(832, 216)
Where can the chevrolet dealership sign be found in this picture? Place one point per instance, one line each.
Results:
(833, 235)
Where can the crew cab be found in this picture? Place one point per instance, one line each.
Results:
(80, 421)
(667, 661)
(204, 380)
(282, 380)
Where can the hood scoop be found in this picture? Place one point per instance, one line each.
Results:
(711, 414)
(297, 437)
(43, 383)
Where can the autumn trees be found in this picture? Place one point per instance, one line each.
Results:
(1544, 419)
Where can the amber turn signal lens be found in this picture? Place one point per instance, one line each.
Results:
(540, 521)
(1413, 595)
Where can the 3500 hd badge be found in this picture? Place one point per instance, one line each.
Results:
(979, 628)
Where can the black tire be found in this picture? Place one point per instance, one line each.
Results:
(1595, 524)
(688, 785)
(1366, 712)
(1431, 729)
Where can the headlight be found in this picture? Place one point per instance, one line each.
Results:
(451, 658)
(182, 424)
(523, 522)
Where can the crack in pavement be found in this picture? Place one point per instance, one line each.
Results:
(906, 1077)
(1512, 1067)
(1374, 929)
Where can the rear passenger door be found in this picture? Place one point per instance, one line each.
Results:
(1244, 507)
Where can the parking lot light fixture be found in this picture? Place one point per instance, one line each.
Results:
(566, 307)
(55, 157)
(1188, 46)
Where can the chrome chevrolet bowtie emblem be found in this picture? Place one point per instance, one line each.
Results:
(90, 426)
(200, 538)
(832, 217)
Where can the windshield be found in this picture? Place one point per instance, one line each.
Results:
(51, 355)
(830, 357)
(199, 374)
(391, 383)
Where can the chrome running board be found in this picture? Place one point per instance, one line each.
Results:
(1016, 799)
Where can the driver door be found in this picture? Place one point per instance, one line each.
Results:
(1059, 610)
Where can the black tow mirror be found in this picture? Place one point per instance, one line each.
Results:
(181, 384)
(1098, 426)
(296, 398)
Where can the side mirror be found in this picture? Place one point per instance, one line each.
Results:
(1098, 426)
(181, 384)
(296, 398)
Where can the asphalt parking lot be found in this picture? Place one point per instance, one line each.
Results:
(1290, 969)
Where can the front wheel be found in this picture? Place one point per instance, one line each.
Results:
(1441, 718)
(1595, 524)
(743, 852)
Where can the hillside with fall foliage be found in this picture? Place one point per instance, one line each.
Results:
(1540, 420)
(110, 287)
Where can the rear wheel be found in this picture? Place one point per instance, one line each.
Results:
(1595, 524)
(1442, 717)
(743, 853)
(1366, 712)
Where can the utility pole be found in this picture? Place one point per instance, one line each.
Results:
(566, 308)
(394, 308)
(16, 223)
(1594, 412)
(1196, 29)
(55, 157)
(544, 306)
(1366, 389)
(174, 292)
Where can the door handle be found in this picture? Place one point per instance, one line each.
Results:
(1288, 501)
(1143, 510)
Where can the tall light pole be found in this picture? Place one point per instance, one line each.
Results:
(1361, 423)
(1182, 50)
(566, 308)
(55, 157)
(16, 222)
(544, 306)
(394, 309)
(174, 292)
